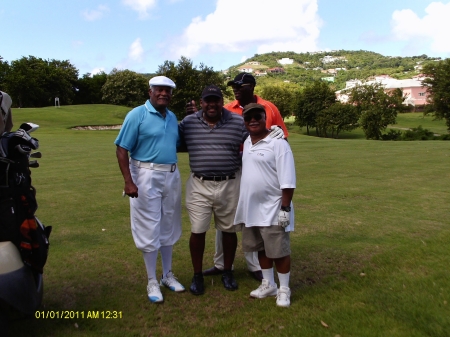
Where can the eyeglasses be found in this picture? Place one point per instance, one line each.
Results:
(256, 117)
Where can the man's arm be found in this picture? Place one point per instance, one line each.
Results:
(277, 119)
(130, 188)
(286, 196)
(181, 145)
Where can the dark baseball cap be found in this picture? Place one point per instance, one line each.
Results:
(212, 90)
(242, 78)
(253, 106)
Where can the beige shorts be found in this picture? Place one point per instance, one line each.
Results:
(272, 239)
(205, 198)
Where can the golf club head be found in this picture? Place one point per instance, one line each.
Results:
(36, 155)
(29, 127)
(33, 163)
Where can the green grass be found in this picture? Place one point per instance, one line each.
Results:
(404, 121)
(370, 252)
(415, 119)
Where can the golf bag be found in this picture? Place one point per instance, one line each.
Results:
(18, 205)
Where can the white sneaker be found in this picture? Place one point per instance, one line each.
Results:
(264, 290)
(284, 297)
(170, 281)
(153, 291)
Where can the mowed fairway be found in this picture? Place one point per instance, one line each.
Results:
(370, 253)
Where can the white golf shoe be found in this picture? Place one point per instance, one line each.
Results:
(264, 290)
(171, 282)
(284, 297)
(154, 291)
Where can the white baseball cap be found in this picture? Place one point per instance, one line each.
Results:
(162, 81)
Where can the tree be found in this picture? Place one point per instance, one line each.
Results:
(377, 108)
(282, 95)
(336, 118)
(4, 69)
(89, 88)
(34, 82)
(125, 87)
(313, 99)
(438, 86)
(190, 82)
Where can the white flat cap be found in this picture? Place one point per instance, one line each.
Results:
(162, 81)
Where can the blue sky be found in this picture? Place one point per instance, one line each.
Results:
(141, 34)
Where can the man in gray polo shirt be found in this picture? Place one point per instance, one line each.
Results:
(213, 137)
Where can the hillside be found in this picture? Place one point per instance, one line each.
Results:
(337, 66)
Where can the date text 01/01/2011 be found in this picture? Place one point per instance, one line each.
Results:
(73, 314)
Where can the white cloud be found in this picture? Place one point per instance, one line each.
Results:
(433, 27)
(243, 25)
(136, 51)
(135, 55)
(95, 14)
(140, 6)
(96, 71)
(77, 44)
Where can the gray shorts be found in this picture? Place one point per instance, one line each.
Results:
(273, 239)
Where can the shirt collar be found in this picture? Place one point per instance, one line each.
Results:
(152, 109)
(266, 139)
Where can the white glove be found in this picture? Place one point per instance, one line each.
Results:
(277, 132)
(283, 218)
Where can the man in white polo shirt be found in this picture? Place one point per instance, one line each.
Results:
(152, 181)
(265, 203)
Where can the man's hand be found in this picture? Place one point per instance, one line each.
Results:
(276, 132)
(131, 190)
(191, 107)
(283, 218)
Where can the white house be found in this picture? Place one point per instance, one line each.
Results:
(246, 69)
(285, 60)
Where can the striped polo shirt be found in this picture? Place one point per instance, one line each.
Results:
(213, 151)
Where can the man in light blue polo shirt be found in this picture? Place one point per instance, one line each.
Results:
(152, 181)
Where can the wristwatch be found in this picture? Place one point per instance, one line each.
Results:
(286, 208)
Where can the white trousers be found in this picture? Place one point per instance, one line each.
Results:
(250, 257)
(156, 213)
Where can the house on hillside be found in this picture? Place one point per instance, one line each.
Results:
(245, 69)
(416, 94)
(276, 70)
(285, 60)
(260, 73)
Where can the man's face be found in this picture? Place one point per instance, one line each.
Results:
(160, 96)
(255, 121)
(243, 91)
(212, 107)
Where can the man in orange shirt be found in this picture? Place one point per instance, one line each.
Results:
(243, 88)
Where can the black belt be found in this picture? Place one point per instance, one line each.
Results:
(215, 178)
